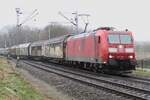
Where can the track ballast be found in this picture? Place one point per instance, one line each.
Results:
(114, 87)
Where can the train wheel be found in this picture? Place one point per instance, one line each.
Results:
(84, 65)
(94, 68)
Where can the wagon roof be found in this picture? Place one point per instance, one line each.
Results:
(38, 43)
(3, 49)
(57, 39)
(12, 47)
(25, 45)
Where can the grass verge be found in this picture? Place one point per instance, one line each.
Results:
(13, 87)
(142, 72)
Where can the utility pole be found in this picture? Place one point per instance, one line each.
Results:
(5, 43)
(31, 16)
(18, 13)
(76, 21)
(49, 32)
(38, 35)
(49, 29)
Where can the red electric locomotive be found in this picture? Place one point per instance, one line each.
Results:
(103, 49)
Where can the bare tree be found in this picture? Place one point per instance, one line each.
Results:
(24, 34)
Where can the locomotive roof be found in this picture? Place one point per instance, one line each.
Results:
(122, 32)
(80, 35)
(105, 28)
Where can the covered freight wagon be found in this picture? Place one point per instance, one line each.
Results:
(55, 48)
(35, 49)
(24, 49)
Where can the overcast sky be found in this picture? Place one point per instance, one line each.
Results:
(131, 14)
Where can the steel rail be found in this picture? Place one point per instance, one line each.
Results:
(133, 92)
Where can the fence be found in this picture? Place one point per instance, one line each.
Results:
(144, 63)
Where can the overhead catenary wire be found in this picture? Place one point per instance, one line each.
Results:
(67, 18)
(31, 16)
(75, 22)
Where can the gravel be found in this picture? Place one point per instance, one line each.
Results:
(69, 87)
(129, 83)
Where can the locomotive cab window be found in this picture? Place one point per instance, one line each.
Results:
(114, 39)
(120, 39)
(125, 39)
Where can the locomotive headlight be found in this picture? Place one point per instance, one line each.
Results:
(131, 57)
(112, 50)
(110, 56)
(129, 50)
(120, 46)
(104, 62)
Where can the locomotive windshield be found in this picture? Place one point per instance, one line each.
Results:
(114, 39)
(125, 39)
(120, 39)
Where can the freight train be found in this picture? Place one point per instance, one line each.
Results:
(103, 49)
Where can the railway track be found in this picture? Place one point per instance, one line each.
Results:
(139, 78)
(114, 87)
(134, 79)
(119, 77)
